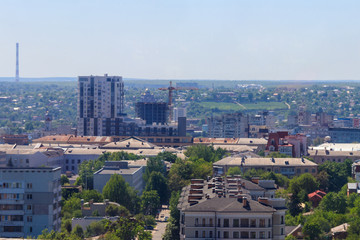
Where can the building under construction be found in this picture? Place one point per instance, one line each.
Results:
(152, 112)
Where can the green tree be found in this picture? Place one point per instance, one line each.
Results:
(158, 183)
(201, 169)
(64, 179)
(154, 164)
(117, 190)
(167, 156)
(335, 202)
(234, 171)
(312, 230)
(208, 153)
(150, 202)
(113, 210)
(78, 231)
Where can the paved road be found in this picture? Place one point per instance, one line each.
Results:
(161, 225)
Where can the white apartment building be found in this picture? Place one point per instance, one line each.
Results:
(233, 125)
(178, 112)
(100, 105)
(208, 210)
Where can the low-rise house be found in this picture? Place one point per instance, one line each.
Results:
(88, 208)
(340, 232)
(316, 197)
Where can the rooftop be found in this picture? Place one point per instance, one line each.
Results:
(237, 161)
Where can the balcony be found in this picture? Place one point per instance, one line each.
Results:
(12, 223)
(11, 201)
(12, 234)
(204, 225)
(11, 212)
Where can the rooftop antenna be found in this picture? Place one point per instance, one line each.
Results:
(17, 63)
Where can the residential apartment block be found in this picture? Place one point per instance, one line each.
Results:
(233, 125)
(29, 201)
(100, 105)
(218, 209)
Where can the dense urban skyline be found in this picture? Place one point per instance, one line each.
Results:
(234, 40)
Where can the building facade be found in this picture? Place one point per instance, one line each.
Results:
(100, 105)
(152, 112)
(208, 210)
(132, 174)
(233, 125)
(29, 201)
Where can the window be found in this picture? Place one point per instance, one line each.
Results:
(203, 222)
(269, 234)
(262, 223)
(252, 222)
(244, 222)
(79, 161)
(218, 234)
(29, 218)
(203, 234)
(73, 161)
(282, 219)
(236, 223)
(226, 222)
(196, 221)
(298, 170)
(196, 234)
(28, 207)
(219, 223)
(313, 170)
(262, 235)
(211, 222)
(72, 168)
(182, 231)
(269, 222)
(282, 231)
(253, 235)
(28, 196)
(30, 229)
(244, 235)
(236, 235)
(67, 161)
(306, 170)
(210, 234)
(226, 234)
(29, 185)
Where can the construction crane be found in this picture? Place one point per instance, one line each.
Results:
(171, 89)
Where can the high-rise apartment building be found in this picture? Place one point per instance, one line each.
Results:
(232, 125)
(29, 201)
(179, 112)
(152, 112)
(100, 105)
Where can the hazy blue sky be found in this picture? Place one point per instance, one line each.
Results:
(196, 39)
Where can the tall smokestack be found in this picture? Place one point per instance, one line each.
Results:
(17, 63)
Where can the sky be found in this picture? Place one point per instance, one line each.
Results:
(182, 39)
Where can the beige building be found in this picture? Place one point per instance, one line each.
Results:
(209, 210)
(286, 166)
(321, 156)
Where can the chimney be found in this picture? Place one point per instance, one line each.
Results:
(245, 202)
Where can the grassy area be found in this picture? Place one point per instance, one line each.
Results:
(222, 106)
(265, 106)
(249, 106)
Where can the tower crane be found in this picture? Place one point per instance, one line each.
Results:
(171, 89)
